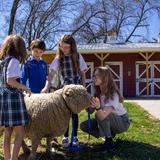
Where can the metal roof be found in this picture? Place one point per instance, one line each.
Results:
(117, 48)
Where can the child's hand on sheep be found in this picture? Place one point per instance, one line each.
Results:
(45, 90)
(26, 91)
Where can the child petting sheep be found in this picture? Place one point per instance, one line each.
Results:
(13, 114)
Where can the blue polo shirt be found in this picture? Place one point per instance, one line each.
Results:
(34, 74)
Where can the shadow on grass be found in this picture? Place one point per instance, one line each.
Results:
(124, 150)
(1, 158)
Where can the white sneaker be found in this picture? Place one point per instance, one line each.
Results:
(75, 141)
(103, 138)
(65, 142)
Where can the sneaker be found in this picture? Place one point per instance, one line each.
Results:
(105, 147)
(75, 141)
(108, 145)
(103, 139)
(65, 142)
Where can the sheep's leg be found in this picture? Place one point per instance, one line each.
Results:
(49, 150)
(35, 143)
(25, 147)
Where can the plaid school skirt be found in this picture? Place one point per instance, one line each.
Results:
(12, 108)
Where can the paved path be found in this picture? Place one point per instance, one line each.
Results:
(150, 105)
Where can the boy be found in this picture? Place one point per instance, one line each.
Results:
(35, 70)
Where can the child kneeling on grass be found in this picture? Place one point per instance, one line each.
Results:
(111, 117)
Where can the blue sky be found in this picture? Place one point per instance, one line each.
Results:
(153, 30)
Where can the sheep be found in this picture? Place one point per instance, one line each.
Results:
(50, 113)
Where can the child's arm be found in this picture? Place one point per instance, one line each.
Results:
(83, 76)
(83, 68)
(24, 74)
(13, 83)
(52, 71)
(48, 82)
(101, 114)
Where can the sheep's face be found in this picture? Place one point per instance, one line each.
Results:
(76, 97)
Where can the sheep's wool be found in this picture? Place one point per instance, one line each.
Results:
(50, 113)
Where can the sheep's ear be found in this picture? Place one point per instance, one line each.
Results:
(69, 92)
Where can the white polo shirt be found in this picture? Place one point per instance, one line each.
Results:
(82, 63)
(117, 106)
(13, 69)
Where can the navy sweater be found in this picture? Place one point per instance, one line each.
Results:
(34, 74)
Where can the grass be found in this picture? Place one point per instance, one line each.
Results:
(140, 142)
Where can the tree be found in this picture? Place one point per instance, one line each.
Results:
(89, 21)
(124, 16)
(44, 19)
(12, 16)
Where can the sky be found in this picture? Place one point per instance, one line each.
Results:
(154, 28)
(152, 32)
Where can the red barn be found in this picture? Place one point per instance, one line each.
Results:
(135, 66)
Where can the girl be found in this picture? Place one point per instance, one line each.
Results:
(13, 114)
(110, 117)
(72, 69)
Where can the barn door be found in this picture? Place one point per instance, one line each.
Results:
(156, 78)
(153, 78)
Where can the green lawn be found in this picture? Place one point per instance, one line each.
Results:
(140, 142)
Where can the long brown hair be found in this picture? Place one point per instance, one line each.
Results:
(14, 45)
(109, 87)
(68, 39)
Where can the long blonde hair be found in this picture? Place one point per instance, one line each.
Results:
(14, 45)
(68, 39)
(109, 87)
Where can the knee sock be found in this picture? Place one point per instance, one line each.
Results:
(75, 124)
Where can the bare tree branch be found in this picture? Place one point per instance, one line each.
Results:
(12, 15)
